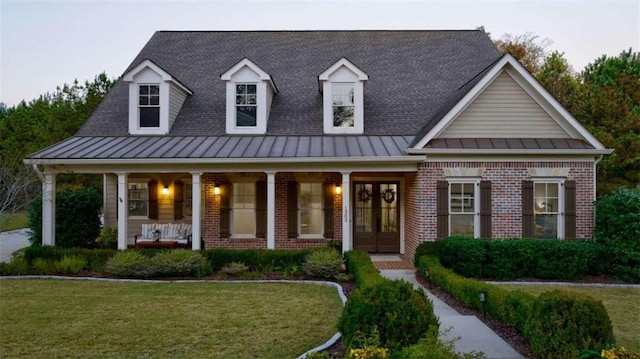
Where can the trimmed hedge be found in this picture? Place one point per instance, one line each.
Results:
(257, 259)
(560, 324)
(95, 258)
(364, 272)
(510, 259)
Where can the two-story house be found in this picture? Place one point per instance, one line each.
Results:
(288, 139)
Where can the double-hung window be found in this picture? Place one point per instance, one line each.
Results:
(343, 104)
(243, 209)
(246, 105)
(149, 105)
(463, 209)
(311, 220)
(546, 212)
(138, 199)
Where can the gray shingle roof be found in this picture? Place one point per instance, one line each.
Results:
(412, 75)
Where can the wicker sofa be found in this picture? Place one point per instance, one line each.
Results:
(172, 235)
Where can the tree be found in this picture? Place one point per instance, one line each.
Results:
(611, 94)
(17, 183)
(557, 76)
(527, 48)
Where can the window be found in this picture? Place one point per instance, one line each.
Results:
(138, 199)
(463, 212)
(343, 104)
(187, 199)
(243, 209)
(149, 105)
(311, 211)
(246, 105)
(546, 210)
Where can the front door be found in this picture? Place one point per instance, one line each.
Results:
(376, 223)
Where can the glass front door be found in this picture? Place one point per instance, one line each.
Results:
(376, 217)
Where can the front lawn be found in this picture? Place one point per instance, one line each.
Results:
(17, 221)
(65, 318)
(621, 304)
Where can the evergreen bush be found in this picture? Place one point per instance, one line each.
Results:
(466, 255)
(325, 263)
(70, 265)
(77, 218)
(129, 264)
(179, 262)
(360, 266)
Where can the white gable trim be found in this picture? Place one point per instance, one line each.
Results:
(324, 76)
(253, 67)
(129, 76)
(526, 81)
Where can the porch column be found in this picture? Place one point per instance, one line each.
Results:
(271, 210)
(195, 210)
(49, 209)
(346, 211)
(123, 210)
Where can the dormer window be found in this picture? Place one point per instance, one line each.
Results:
(155, 99)
(342, 87)
(149, 105)
(246, 105)
(250, 91)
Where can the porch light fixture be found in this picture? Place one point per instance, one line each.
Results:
(338, 188)
(165, 191)
(216, 189)
(482, 295)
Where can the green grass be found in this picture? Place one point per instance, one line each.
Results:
(17, 221)
(81, 319)
(621, 303)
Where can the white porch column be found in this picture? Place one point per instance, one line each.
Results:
(195, 210)
(49, 209)
(271, 210)
(123, 210)
(346, 212)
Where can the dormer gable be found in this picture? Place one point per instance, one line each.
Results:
(250, 91)
(155, 99)
(342, 87)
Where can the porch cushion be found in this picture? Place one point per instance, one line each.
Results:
(147, 230)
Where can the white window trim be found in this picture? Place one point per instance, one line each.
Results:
(561, 205)
(138, 180)
(476, 203)
(343, 71)
(322, 194)
(232, 216)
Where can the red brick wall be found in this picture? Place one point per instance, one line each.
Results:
(506, 178)
(211, 218)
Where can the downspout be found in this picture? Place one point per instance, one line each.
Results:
(37, 171)
(595, 164)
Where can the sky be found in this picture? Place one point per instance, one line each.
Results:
(45, 44)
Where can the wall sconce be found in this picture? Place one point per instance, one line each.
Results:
(165, 191)
(216, 189)
(338, 188)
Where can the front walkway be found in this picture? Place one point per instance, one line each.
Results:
(473, 334)
(11, 241)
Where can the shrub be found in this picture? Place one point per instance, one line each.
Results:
(129, 264)
(179, 262)
(95, 258)
(562, 323)
(426, 249)
(364, 272)
(509, 259)
(77, 218)
(70, 265)
(430, 347)
(401, 314)
(234, 268)
(43, 266)
(108, 238)
(618, 229)
(324, 263)
(17, 266)
(465, 256)
(256, 259)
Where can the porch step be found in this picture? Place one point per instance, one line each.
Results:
(391, 261)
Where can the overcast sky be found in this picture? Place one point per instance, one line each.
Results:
(45, 44)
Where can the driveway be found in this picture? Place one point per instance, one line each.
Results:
(11, 241)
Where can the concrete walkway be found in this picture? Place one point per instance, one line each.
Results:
(11, 241)
(474, 334)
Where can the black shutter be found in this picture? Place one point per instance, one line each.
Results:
(261, 209)
(153, 199)
(570, 209)
(178, 201)
(485, 209)
(329, 189)
(527, 209)
(292, 209)
(225, 210)
(442, 209)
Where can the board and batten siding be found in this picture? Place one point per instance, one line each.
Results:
(504, 110)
